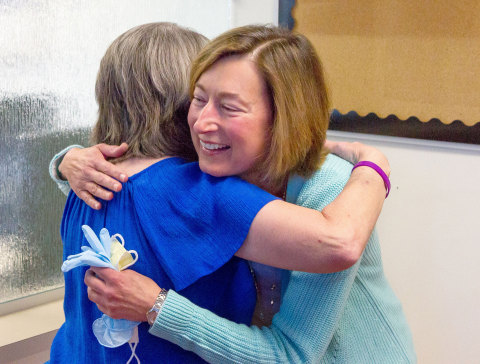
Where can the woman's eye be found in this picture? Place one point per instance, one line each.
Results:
(230, 108)
(198, 100)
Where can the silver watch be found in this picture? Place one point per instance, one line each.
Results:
(157, 307)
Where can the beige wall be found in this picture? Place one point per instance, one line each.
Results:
(408, 58)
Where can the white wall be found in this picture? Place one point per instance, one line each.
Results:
(254, 12)
(429, 233)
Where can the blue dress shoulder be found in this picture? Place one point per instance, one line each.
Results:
(186, 227)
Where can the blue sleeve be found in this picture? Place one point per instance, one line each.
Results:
(192, 217)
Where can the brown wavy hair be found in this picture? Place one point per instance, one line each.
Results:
(295, 79)
(142, 91)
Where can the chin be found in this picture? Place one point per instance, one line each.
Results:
(215, 172)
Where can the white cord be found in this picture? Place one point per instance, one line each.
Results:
(133, 342)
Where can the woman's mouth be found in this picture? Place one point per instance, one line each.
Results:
(213, 147)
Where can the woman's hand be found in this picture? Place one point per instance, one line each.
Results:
(356, 152)
(89, 173)
(121, 295)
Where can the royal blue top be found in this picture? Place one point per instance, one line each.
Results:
(186, 227)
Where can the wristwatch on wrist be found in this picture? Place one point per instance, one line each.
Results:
(157, 306)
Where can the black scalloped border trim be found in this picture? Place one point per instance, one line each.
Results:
(413, 127)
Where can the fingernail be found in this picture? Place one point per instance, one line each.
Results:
(117, 187)
(123, 177)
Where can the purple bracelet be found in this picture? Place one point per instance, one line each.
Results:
(377, 169)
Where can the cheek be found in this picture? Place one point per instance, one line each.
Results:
(252, 147)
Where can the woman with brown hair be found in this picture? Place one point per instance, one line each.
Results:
(239, 118)
(351, 316)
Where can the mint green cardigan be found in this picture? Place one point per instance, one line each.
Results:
(350, 317)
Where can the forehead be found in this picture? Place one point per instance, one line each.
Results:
(233, 74)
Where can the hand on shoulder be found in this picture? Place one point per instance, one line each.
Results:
(90, 175)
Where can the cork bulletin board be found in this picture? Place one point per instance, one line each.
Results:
(409, 69)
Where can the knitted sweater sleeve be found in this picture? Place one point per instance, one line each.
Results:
(301, 331)
(63, 185)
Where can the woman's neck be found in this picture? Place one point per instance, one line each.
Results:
(135, 165)
(279, 191)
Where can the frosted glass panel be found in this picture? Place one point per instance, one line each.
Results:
(30, 205)
(49, 56)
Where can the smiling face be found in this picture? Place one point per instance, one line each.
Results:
(230, 118)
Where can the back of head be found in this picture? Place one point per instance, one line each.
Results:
(142, 91)
(295, 80)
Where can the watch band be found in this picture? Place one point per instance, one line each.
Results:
(157, 306)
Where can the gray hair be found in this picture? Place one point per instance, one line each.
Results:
(142, 91)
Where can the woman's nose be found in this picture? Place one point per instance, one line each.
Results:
(207, 119)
